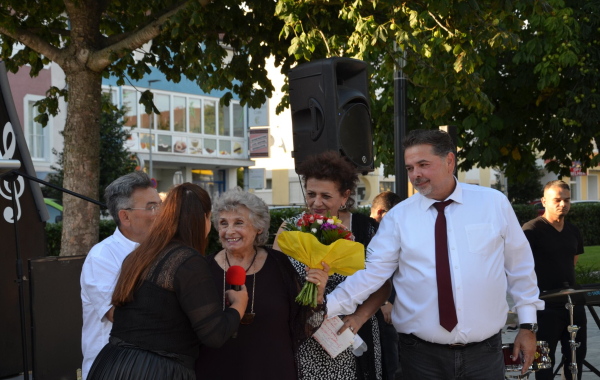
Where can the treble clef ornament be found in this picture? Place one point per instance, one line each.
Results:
(9, 146)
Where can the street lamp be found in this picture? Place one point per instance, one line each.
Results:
(150, 126)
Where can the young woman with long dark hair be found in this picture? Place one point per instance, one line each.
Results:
(166, 302)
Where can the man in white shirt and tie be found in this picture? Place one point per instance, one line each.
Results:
(133, 203)
(454, 267)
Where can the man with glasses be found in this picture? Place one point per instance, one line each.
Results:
(133, 204)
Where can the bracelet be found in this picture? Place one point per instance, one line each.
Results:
(385, 303)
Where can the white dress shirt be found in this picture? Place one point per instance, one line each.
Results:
(98, 279)
(488, 254)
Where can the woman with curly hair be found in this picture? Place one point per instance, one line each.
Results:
(329, 180)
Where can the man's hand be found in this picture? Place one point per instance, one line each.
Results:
(353, 322)
(386, 310)
(526, 342)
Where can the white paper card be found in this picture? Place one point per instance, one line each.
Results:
(333, 343)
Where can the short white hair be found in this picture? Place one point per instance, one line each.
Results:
(259, 211)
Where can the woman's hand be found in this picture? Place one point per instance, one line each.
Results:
(238, 299)
(353, 322)
(319, 277)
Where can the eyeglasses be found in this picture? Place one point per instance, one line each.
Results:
(153, 209)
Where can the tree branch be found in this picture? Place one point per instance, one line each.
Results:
(322, 35)
(62, 32)
(100, 59)
(440, 24)
(35, 43)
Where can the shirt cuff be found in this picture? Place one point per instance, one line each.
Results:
(527, 314)
(333, 306)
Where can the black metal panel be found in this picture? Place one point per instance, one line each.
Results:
(57, 316)
(31, 230)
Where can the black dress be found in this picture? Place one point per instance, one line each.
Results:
(263, 349)
(175, 310)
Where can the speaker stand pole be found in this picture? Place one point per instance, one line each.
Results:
(400, 127)
(12, 178)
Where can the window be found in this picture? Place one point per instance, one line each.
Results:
(195, 115)
(592, 187)
(112, 93)
(360, 192)
(36, 135)
(269, 185)
(387, 186)
(179, 114)
(574, 183)
(130, 104)
(210, 117)
(163, 119)
(238, 120)
(224, 121)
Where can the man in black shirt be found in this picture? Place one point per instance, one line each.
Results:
(556, 244)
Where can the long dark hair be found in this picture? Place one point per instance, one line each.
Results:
(183, 219)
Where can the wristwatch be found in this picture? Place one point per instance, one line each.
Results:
(533, 327)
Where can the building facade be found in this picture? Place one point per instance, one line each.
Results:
(193, 134)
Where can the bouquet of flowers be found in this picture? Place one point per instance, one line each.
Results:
(316, 238)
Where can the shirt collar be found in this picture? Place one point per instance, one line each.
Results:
(456, 196)
(129, 244)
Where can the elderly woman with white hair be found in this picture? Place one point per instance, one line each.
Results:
(274, 325)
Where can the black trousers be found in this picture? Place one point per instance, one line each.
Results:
(552, 324)
(422, 360)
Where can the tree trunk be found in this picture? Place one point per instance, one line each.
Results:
(81, 161)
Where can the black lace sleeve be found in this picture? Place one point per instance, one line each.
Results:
(197, 294)
(304, 320)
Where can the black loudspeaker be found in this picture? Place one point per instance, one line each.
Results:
(329, 99)
(56, 316)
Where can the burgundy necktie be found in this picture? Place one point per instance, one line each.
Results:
(446, 306)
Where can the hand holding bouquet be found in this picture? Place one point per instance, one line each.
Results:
(316, 238)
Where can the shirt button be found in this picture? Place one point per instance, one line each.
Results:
(449, 229)
(458, 288)
(456, 267)
(452, 248)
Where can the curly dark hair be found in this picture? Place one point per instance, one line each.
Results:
(330, 166)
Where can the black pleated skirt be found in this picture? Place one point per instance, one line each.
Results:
(121, 361)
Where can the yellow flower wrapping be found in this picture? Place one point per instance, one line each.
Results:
(344, 257)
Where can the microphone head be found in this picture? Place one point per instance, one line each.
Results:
(236, 275)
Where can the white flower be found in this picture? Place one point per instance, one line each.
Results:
(330, 221)
(320, 221)
(314, 230)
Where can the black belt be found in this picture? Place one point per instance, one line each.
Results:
(454, 345)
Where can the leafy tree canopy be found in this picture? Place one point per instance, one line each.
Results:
(517, 77)
(91, 39)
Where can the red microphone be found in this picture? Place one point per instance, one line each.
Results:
(236, 277)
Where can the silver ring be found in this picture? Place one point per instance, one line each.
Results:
(351, 328)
